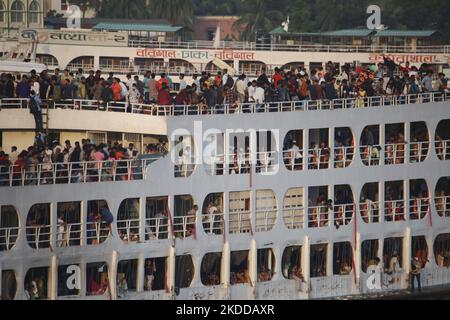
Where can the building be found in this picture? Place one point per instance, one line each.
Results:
(357, 37)
(205, 27)
(16, 14)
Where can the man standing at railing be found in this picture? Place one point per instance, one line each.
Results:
(36, 110)
(416, 269)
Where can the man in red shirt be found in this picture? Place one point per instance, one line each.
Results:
(277, 77)
(164, 98)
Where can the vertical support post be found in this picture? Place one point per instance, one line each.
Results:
(171, 271)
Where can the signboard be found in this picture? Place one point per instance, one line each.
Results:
(75, 37)
(412, 58)
(205, 55)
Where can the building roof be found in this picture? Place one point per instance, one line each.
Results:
(280, 30)
(406, 33)
(115, 26)
(348, 33)
(358, 33)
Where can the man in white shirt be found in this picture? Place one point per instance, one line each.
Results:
(295, 156)
(13, 155)
(259, 98)
(225, 77)
(240, 89)
(251, 92)
(130, 81)
(183, 83)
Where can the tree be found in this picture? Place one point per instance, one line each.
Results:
(178, 12)
(260, 16)
(124, 9)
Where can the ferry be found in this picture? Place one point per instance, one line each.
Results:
(291, 200)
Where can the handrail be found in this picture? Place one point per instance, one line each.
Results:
(418, 208)
(213, 224)
(240, 222)
(8, 238)
(443, 206)
(370, 211)
(252, 46)
(237, 108)
(394, 210)
(157, 228)
(129, 230)
(73, 172)
(443, 149)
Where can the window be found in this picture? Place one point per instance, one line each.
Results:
(98, 229)
(127, 271)
(369, 254)
(292, 263)
(318, 260)
(155, 274)
(370, 148)
(293, 152)
(184, 272)
(9, 285)
(442, 197)
(17, 12)
(443, 140)
(394, 201)
(442, 250)
(294, 210)
(39, 226)
(344, 148)
(128, 223)
(185, 217)
(266, 265)
(342, 258)
(266, 210)
(418, 199)
(211, 269)
(9, 227)
(69, 280)
(36, 284)
(213, 218)
(69, 224)
(2, 11)
(393, 255)
(97, 281)
(419, 249)
(240, 212)
(33, 13)
(156, 219)
(239, 273)
(369, 203)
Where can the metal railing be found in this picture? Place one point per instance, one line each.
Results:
(443, 149)
(343, 157)
(370, 211)
(319, 159)
(8, 238)
(443, 206)
(265, 219)
(418, 208)
(97, 232)
(394, 211)
(252, 46)
(240, 222)
(291, 161)
(394, 153)
(343, 214)
(294, 217)
(157, 228)
(129, 230)
(237, 108)
(69, 235)
(319, 216)
(419, 151)
(213, 224)
(371, 155)
(39, 237)
(184, 226)
(73, 173)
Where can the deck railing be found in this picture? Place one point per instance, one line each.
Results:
(73, 173)
(237, 108)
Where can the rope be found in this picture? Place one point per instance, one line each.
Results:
(355, 231)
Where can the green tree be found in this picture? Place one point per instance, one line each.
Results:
(124, 9)
(178, 12)
(260, 16)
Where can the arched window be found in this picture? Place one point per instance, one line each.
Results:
(17, 11)
(2, 11)
(33, 12)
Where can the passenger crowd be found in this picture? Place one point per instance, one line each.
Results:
(209, 91)
(54, 159)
